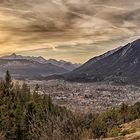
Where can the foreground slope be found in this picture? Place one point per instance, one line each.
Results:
(130, 130)
(119, 65)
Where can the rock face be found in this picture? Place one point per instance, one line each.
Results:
(119, 65)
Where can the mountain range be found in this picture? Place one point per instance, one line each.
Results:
(30, 67)
(121, 65)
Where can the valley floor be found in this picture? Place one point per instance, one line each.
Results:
(88, 97)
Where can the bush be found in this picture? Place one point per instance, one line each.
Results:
(114, 132)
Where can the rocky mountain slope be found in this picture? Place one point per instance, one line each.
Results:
(121, 65)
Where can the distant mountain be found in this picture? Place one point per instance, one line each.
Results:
(66, 65)
(20, 57)
(28, 67)
(121, 65)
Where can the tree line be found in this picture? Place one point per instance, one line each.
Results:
(28, 115)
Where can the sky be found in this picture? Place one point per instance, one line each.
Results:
(71, 30)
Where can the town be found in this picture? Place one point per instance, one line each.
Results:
(87, 97)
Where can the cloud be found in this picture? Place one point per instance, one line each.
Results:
(82, 27)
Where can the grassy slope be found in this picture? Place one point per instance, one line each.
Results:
(129, 131)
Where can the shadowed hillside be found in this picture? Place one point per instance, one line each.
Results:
(121, 65)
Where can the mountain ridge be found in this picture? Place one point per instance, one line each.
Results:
(61, 63)
(28, 69)
(121, 65)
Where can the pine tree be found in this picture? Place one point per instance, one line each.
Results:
(25, 93)
(124, 112)
(49, 104)
(8, 84)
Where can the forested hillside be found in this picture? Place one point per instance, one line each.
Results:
(28, 115)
